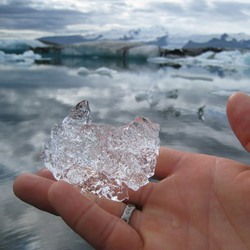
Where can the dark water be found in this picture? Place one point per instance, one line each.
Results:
(33, 98)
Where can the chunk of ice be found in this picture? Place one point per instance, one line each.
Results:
(102, 159)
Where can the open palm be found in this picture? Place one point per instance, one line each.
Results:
(201, 201)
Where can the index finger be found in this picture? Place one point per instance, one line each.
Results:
(166, 162)
(97, 226)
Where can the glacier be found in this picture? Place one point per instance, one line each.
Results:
(138, 44)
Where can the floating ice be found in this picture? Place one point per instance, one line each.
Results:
(27, 58)
(228, 60)
(103, 71)
(102, 159)
(19, 46)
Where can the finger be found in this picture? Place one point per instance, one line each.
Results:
(104, 203)
(238, 112)
(112, 207)
(100, 228)
(46, 174)
(33, 189)
(166, 162)
(141, 196)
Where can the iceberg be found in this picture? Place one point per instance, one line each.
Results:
(101, 159)
(151, 35)
(154, 45)
(26, 58)
(225, 41)
(19, 46)
(111, 49)
(228, 60)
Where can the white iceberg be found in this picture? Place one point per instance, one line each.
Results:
(228, 60)
(111, 49)
(14, 46)
(26, 58)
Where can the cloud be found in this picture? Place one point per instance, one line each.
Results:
(205, 16)
(167, 7)
(199, 5)
(67, 17)
(231, 11)
(14, 16)
(52, 17)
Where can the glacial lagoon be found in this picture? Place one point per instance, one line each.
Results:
(189, 103)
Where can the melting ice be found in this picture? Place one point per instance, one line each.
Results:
(102, 159)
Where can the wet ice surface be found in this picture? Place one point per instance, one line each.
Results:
(102, 159)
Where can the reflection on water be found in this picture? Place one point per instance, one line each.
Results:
(189, 107)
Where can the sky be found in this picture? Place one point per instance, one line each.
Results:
(37, 18)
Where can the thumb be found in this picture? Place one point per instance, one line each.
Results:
(238, 113)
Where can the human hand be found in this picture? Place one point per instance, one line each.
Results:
(201, 201)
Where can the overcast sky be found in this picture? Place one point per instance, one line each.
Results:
(36, 18)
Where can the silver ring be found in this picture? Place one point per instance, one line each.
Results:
(127, 213)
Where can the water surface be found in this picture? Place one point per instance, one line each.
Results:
(188, 103)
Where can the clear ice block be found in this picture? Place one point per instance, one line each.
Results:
(102, 159)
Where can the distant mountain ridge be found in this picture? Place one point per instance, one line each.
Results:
(224, 42)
